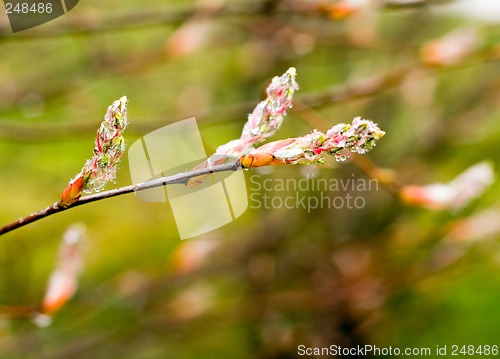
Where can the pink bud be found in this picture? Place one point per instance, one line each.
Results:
(64, 279)
(453, 195)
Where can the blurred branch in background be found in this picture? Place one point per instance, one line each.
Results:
(47, 131)
(93, 24)
(11, 130)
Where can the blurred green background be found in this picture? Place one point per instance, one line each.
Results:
(387, 274)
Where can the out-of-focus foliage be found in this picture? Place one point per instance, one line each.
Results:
(386, 274)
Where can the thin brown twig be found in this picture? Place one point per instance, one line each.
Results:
(180, 178)
(15, 131)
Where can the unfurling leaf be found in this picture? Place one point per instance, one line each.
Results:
(109, 147)
(359, 137)
(72, 193)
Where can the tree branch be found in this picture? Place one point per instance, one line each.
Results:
(180, 178)
(86, 25)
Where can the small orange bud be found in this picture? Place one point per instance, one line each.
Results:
(72, 193)
(258, 159)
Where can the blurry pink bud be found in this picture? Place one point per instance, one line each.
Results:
(189, 38)
(454, 195)
(64, 279)
(451, 48)
(434, 196)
